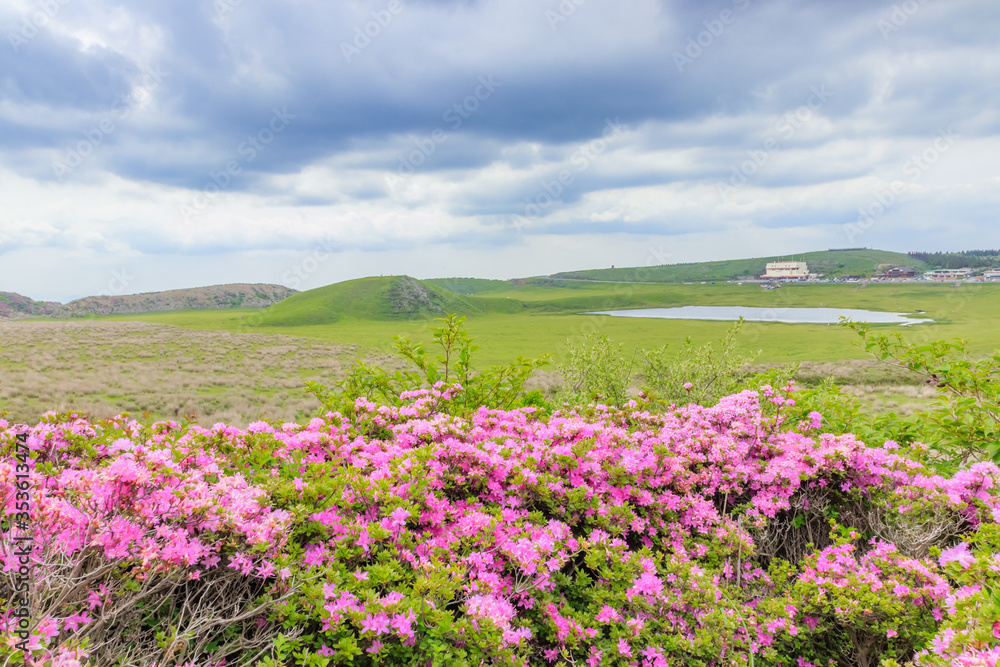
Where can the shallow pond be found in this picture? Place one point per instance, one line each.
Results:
(753, 314)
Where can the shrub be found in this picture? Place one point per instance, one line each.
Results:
(699, 375)
(130, 525)
(964, 423)
(451, 374)
(436, 517)
(596, 370)
(961, 427)
(410, 535)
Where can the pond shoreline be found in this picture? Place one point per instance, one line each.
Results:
(758, 314)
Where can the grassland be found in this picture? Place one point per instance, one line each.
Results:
(224, 366)
(831, 263)
(546, 317)
(103, 368)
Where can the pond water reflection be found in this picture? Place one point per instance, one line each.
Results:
(754, 314)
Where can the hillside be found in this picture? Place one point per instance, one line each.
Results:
(215, 297)
(471, 285)
(17, 306)
(382, 298)
(831, 263)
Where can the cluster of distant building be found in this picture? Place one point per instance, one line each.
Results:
(788, 271)
(796, 271)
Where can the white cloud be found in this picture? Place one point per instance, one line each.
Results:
(531, 148)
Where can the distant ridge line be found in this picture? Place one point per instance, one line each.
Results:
(212, 297)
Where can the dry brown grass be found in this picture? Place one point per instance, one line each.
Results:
(103, 368)
(882, 387)
(903, 400)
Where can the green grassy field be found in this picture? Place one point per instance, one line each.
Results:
(545, 317)
(223, 365)
(831, 263)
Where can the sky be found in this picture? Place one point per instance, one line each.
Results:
(161, 145)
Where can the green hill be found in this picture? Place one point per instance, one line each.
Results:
(213, 297)
(831, 263)
(470, 285)
(384, 298)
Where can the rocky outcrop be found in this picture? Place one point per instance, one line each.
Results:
(215, 297)
(409, 297)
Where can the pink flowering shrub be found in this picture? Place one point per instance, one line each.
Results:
(970, 634)
(861, 607)
(408, 534)
(123, 513)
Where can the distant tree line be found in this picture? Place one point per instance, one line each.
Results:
(956, 260)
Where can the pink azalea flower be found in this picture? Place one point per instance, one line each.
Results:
(377, 623)
(399, 517)
(958, 554)
(607, 615)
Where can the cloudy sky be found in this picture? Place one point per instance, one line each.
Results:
(157, 145)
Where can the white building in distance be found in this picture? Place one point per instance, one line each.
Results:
(786, 270)
(948, 274)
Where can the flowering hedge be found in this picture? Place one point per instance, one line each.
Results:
(408, 535)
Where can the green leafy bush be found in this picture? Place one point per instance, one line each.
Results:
(498, 387)
(596, 370)
(963, 424)
(699, 375)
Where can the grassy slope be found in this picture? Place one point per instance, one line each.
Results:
(830, 263)
(470, 285)
(547, 317)
(380, 299)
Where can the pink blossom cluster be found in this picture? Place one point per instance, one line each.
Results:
(154, 500)
(161, 501)
(597, 534)
(907, 579)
